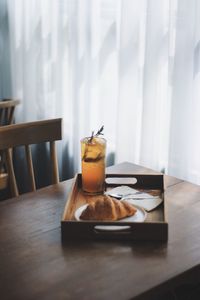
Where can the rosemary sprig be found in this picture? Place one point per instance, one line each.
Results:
(89, 141)
(99, 132)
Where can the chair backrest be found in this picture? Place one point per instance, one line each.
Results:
(7, 108)
(25, 134)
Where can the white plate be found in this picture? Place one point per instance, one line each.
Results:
(139, 216)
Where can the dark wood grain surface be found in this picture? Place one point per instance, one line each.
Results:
(35, 264)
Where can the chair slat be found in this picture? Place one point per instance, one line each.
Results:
(55, 174)
(7, 111)
(30, 167)
(1, 116)
(12, 179)
(1, 160)
(11, 115)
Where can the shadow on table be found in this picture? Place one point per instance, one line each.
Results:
(134, 248)
(183, 292)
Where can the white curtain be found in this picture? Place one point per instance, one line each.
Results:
(132, 65)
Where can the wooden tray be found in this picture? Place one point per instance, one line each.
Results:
(155, 226)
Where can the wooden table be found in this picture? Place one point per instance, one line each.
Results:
(34, 264)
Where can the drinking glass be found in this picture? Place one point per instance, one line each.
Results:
(93, 152)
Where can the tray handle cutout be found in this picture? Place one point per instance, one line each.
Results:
(112, 229)
(120, 181)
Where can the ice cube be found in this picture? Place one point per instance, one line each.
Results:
(92, 153)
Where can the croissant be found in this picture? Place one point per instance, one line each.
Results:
(106, 208)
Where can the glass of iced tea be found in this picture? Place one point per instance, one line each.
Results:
(93, 152)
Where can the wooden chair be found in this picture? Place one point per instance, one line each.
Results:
(25, 134)
(7, 109)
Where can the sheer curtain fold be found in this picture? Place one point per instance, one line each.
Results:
(132, 65)
(5, 72)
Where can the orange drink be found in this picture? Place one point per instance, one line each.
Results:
(93, 151)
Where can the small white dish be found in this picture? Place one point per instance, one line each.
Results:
(148, 204)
